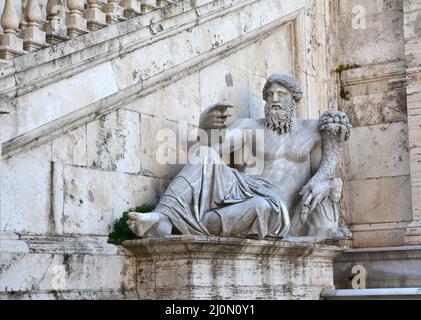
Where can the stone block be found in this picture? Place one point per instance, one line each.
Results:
(96, 19)
(379, 200)
(411, 5)
(371, 8)
(26, 195)
(11, 46)
(61, 98)
(151, 60)
(70, 148)
(377, 151)
(9, 246)
(268, 55)
(255, 100)
(113, 142)
(413, 52)
(76, 25)
(42, 273)
(220, 82)
(179, 101)
(187, 267)
(163, 146)
(258, 14)
(392, 267)
(375, 108)
(40, 153)
(416, 172)
(93, 199)
(412, 22)
(33, 38)
(372, 238)
(383, 28)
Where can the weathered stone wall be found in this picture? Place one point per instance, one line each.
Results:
(79, 142)
(378, 193)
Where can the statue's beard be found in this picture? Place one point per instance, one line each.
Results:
(279, 120)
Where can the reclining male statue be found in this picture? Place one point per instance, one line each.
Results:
(295, 193)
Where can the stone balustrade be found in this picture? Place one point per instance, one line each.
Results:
(29, 25)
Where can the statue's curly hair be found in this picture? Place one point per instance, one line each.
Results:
(286, 80)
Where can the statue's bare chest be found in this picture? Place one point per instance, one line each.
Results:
(295, 147)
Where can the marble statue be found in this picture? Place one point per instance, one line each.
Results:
(295, 193)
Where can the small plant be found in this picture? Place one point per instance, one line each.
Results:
(341, 68)
(121, 231)
(344, 94)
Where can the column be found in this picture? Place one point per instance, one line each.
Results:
(412, 34)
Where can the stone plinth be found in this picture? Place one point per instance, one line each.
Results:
(192, 267)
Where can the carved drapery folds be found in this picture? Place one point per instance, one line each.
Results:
(29, 25)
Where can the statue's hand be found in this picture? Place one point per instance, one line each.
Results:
(314, 192)
(336, 123)
(215, 116)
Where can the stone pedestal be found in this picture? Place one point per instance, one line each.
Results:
(192, 267)
(33, 38)
(96, 19)
(147, 6)
(76, 25)
(132, 8)
(11, 46)
(114, 13)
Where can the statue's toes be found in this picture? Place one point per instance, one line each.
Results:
(132, 225)
(133, 216)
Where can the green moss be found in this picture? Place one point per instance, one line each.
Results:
(344, 94)
(343, 67)
(121, 231)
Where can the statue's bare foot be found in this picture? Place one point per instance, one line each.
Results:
(151, 224)
(141, 223)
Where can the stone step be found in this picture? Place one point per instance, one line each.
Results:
(391, 267)
(372, 294)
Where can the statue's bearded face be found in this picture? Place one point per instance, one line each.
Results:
(279, 109)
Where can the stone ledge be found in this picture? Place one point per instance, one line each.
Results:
(71, 295)
(373, 294)
(198, 267)
(215, 245)
(61, 245)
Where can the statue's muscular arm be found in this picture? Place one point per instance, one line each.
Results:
(334, 129)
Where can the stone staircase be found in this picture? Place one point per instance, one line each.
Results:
(387, 273)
